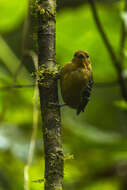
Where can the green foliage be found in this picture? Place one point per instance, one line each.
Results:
(121, 104)
(12, 14)
(8, 58)
(76, 30)
(104, 185)
(124, 17)
(94, 141)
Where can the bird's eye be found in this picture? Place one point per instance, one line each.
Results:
(75, 54)
(80, 56)
(87, 56)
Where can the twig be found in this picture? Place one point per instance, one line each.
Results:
(110, 50)
(103, 34)
(35, 125)
(96, 85)
(34, 57)
(123, 36)
(33, 139)
(17, 86)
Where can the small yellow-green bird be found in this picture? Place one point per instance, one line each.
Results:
(76, 81)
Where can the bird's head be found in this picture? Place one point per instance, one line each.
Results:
(81, 58)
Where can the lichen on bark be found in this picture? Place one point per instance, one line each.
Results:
(48, 90)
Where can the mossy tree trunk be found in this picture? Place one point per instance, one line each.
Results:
(49, 94)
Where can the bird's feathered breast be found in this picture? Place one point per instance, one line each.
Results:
(73, 80)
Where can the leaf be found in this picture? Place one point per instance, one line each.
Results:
(8, 57)
(124, 18)
(91, 134)
(12, 14)
(121, 104)
(10, 63)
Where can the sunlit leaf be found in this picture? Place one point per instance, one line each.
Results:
(121, 104)
(11, 63)
(124, 17)
(12, 13)
(8, 56)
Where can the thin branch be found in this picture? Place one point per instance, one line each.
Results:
(35, 125)
(103, 34)
(96, 85)
(116, 63)
(34, 57)
(123, 36)
(33, 140)
(122, 42)
(16, 86)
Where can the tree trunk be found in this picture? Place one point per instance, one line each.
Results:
(49, 94)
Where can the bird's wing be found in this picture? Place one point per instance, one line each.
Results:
(85, 96)
(67, 68)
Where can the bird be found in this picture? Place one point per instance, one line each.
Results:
(76, 81)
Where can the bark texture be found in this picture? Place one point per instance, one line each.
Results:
(49, 94)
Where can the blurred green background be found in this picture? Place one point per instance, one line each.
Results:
(95, 143)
